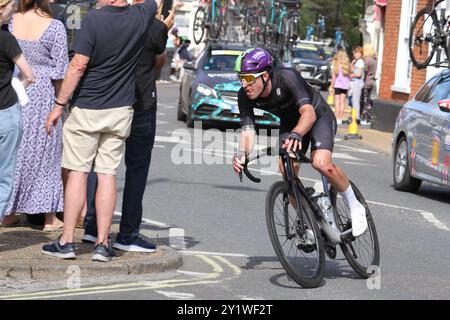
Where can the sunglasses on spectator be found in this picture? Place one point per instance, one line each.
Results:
(250, 78)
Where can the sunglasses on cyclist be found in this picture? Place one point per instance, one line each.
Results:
(250, 78)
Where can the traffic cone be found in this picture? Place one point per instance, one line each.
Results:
(352, 127)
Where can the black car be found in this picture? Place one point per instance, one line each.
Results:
(311, 62)
(209, 88)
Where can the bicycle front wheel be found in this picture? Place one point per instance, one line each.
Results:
(216, 23)
(300, 250)
(423, 38)
(362, 252)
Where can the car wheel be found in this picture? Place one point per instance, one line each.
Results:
(402, 175)
(189, 118)
(180, 115)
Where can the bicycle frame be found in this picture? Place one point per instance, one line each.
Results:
(299, 190)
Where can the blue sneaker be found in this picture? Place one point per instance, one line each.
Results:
(103, 253)
(63, 251)
(137, 245)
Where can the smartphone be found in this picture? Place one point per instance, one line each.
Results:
(167, 5)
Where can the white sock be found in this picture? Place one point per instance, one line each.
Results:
(350, 197)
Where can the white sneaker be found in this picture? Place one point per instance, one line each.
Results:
(359, 221)
(339, 122)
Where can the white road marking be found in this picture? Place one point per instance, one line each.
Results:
(345, 156)
(431, 218)
(353, 149)
(207, 253)
(159, 146)
(161, 122)
(147, 221)
(176, 295)
(192, 273)
(166, 106)
(361, 164)
(243, 297)
(176, 238)
(169, 139)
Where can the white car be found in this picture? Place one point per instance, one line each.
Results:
(421, 138)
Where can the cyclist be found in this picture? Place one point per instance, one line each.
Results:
(304, 115)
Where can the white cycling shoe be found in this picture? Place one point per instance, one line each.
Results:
(359, 220)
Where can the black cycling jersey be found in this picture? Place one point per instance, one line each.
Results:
(289, 93)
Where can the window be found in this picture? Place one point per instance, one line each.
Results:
(421, 94)
(404, 64)
(220, 63)
(438, 92)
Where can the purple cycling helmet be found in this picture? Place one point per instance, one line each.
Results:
(253, 61)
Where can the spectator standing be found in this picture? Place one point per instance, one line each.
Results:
(10, 110)
(101, 77)
(170, 52)
(38, 186)
(370, 60)
(357, 77)
(139, 145)
(340, 82)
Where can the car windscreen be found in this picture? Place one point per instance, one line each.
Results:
(221, 60)
(307, 54)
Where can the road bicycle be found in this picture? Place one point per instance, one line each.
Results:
(254, 19)
(321, 30)
(429, 35)
(303, 226)
(209, 15)
(275, 27)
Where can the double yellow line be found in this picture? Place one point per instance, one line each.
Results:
(212, 277)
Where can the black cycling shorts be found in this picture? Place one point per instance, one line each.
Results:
(321, 135)
(340, 91)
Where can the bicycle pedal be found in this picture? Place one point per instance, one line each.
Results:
(310, 191)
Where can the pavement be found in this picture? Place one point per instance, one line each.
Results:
(21, 257)
(378, 140)
(20, 247)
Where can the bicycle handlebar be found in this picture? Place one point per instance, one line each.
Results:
(299, 156)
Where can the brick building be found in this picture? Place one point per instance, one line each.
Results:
(399, 80)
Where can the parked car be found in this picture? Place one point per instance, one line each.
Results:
(421, 138)
(310, 60)
(209, 89)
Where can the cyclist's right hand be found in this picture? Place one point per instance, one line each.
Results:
(238, 163)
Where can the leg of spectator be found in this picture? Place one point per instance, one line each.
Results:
(138, 154)
(74, 199)
(10, 136)
(90, 220)
(105, 203)
(356, 100)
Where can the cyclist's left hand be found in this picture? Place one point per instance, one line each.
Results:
(293, 142)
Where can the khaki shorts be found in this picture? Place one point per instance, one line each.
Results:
(98, 135)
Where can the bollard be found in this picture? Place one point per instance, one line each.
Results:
(352, 127)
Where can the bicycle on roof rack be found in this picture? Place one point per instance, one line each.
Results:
(430, 35)
(209, 15)
(303, 227)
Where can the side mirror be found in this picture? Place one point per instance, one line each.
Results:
(189, 66)
(444, 105)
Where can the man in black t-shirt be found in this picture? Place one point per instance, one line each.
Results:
(305, 118)
(100, 82)
(139, 145)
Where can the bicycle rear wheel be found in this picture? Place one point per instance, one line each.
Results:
(199, 25)
(361, 252)
(301, 255)
(423, 38)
